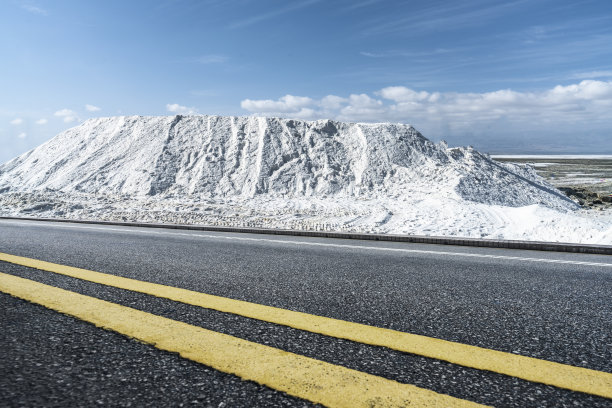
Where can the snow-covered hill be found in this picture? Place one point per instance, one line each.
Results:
(216, 156)
(277, 173)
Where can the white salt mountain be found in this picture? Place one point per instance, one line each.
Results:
(243, 157)
(281, 173)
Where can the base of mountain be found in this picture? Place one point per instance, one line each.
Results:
(431, 214)
(588, 198)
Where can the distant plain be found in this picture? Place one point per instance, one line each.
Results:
(588, 171)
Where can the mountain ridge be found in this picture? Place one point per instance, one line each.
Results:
(241, 157)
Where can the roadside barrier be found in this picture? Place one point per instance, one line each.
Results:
(416, 239)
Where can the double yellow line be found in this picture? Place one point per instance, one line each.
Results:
(297, 375)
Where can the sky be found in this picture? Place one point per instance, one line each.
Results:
(525, 76)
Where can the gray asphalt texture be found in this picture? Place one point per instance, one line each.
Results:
(557, 312)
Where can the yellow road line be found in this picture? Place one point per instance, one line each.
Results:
(303, 377)
(528, 368)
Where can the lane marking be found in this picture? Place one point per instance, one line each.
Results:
(344, 246)
(528, 368)
(303, 377)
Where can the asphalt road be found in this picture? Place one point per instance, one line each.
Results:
(551, 306)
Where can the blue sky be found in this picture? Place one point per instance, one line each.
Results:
(521, 76)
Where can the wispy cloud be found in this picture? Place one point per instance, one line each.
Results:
(42, 121)
(354, 5)
(92, 108)
(67, 115)
(183, 110)
(592, 75)
(292, 6)
(476, 66)
(16, 121)
(21, 135)
(31, 8)
(571, 28)
(444, 16)
(212, 59)
(558, 54)
(410, 54)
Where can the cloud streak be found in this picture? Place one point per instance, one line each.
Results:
(271, 14)
(444, 17)
(410, 54)
(212, 59)
(592, 75)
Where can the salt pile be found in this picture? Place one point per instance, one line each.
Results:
(284, 173)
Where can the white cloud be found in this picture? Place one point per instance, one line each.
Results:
(22, 135)
(362, 106)
(287, 103)
(183, 110)
(364, 101)
(67, 115)
(16, 121)
(401, 103)
(403, 94)
(576, 106)
(41, 121)
(587, 90)
(34, 9)
(333, 102)
(92, 108)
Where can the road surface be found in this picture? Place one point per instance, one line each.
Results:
(554, 307)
